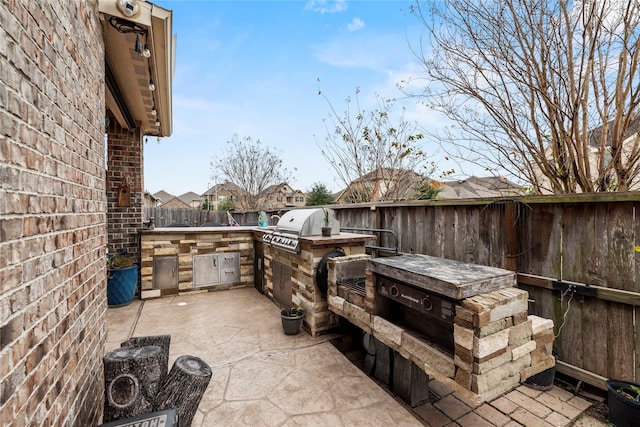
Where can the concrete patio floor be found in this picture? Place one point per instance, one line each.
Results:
(262, 377)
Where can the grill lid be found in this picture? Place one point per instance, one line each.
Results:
(307, 222)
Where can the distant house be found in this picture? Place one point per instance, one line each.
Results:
(480, 187)
(150, 201)
(282, 196)
(381, 184)
(162, 197)
(595, 142)
(192, 199)
(175, 203)
(220, 193)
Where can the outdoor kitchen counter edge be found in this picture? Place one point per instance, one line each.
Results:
(196, 230)
(316, 240)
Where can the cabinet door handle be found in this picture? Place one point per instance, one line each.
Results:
(229, 257)
(229, 270)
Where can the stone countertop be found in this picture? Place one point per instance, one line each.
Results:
(190, 230)
(316, 240)
(454, 279)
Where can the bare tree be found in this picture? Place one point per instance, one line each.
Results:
(546, 91)
(374, 155)
(251, 167)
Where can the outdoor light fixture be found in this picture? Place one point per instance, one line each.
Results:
(129, 8)
(138, 47)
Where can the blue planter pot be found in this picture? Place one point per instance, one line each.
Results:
(121, 285)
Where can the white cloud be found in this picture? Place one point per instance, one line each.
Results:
(326, 6)
(355, 24)
(376, 52)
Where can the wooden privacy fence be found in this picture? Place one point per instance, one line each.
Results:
(165, 217)
(558, 245)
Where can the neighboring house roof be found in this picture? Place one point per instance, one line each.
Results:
(595, 135)
(402, 186)
(190, 198)
(163, 196)
(226, 187)
(175, 203)
(151, 197)
(480, 187)
(150, 201)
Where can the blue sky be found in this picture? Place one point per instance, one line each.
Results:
(251, 68)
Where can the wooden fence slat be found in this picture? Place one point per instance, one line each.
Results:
(620, 268)
(620, 354)
(595, 331)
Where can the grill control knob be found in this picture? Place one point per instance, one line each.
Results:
(394, 291)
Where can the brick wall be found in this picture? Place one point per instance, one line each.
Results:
(124, 167)
(52, 213)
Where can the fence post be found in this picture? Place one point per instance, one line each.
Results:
(511, 236)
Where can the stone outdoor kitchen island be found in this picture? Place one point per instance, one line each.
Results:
(410, 302)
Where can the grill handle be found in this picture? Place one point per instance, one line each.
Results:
(381, 231)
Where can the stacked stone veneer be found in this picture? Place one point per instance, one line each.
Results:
(52, 213)
(305, 292)
(184, 243)
(497, 345)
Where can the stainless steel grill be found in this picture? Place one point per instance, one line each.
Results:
(299, 223)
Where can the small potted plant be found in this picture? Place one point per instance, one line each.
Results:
(292, 319)
(326, 229)
(624, 403)
(122, 280)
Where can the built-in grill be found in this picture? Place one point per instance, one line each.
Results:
(299, 223)
(352, 290)
(420, 292)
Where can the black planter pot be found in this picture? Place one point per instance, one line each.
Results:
(326, 231)
(623, 412)
(544, 380)
(292, 319)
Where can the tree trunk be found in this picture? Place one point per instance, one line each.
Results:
(162, 341)
(132, 378)
(184, 388)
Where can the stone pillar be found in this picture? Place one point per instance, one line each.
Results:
(125, 189)
(495, 343)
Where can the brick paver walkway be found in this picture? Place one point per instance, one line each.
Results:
(523, 406)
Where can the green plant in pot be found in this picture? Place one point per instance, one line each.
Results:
(326, 228)
(292, 319)
(624, 403)
(122, 280)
